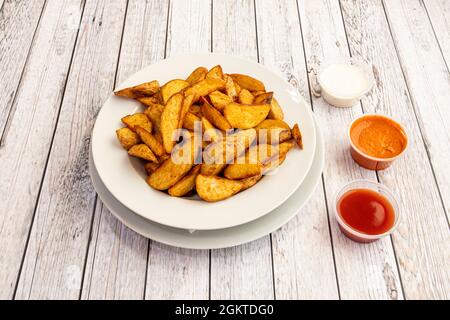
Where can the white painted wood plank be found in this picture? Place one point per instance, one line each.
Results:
(24, 151)
(175, 273)
(422, 240)
(439, 14)
(18, 22)
(56, 254)
(243, 272)
(300, 271)
(364, 271)
(117, 259)
(428, 80)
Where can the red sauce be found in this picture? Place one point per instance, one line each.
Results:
(366, 211)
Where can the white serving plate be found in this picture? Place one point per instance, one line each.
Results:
(222, 238)
(125, 178)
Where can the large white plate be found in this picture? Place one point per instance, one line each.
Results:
(124, 177)
(215, 239)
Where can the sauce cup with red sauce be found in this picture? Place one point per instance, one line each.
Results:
(366, 211)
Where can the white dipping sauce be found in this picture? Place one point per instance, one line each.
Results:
(344, 80)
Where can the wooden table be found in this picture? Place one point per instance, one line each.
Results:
(59, 62)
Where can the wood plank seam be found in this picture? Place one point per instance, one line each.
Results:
(11, 106)
(322, 175)
(413, 103)
(96, 195)
(376, 171)
(49, 152)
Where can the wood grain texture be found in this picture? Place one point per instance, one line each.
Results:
(377, 276)
(24, 151)
(117, 259)
(18, 22)
(420, 243)
(439, 14)
(54, 262)
(300, 273)
(175, 273)
(243, 272)
(428, 83)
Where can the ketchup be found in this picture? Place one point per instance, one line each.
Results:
(366, 211)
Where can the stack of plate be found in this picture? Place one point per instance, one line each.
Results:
(120, 180)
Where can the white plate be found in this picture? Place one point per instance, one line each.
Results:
(214, 239)
(124, 177)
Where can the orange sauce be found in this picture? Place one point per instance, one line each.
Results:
(366, 211)
(378, 137)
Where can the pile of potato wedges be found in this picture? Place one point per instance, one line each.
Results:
(214, 134)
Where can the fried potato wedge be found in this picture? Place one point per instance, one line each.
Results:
(170, 119)
(143, 90)
(137, 119)
(247, 82)
(273, 131)
(127, 138)
(214, 116)
(196, 109)
(275, 110)
(219, 100)
(212, 188)
(250, 182)
(189, 121)
(238, 171)
(278, 156)
(212, 169)
(151, 167)
(153, 112)
(151, 141)
(148, 101)
(215, 73)
(185, 185)
(245, 116)
(246, 97)
(197, 75)
(210, 132)
(205, 87)
(231, 88)
(187, 102)
(297, 136)
(142, 151)
(173, 87)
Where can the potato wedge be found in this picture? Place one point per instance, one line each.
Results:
(297, 136)
(185, 185)
(231, 88)
(189, 121)
(151, 167)
(212, 188)
(137, 119)
(127, 138)
(171, 88)
(245, 116)
(205, 87)
(273, 131)
(278, 156)
(246, 97)
(214, 116)
(143, 90)
(275, 110)
(153, 112)
(170, 119)
(247, 82)
(215, 73)
(148, 101)
(213, 169)
(209, 131)
(250, 182)
(142, 151)
(197, 75)
(237, 171)
(196, 109)
(187, 102)
(151, 141)
(219, 100)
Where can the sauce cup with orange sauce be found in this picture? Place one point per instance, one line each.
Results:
(376, 141)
